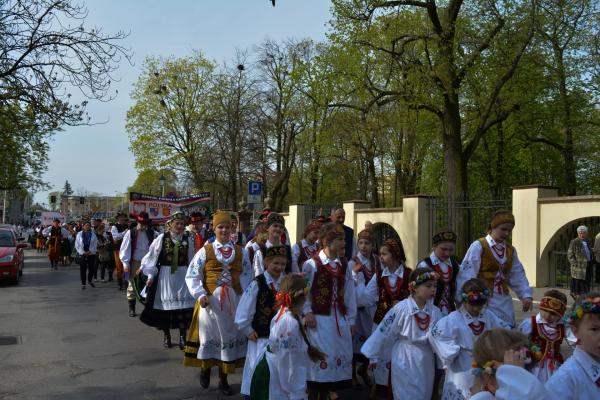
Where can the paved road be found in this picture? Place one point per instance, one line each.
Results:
(81, 344)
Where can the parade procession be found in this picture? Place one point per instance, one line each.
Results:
(287, 200)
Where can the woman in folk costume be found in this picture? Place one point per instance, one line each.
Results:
(453, 338)
(495, 262)
(365, 265)
(547, 331)
(256, 309)
(216, 277)
(330, 313)
(118, 232)
(169, 304)
(258, 241)
(443, 262)
(55, 234)
(388, 287)
(275, 229)
(308, 247)
(403, 333)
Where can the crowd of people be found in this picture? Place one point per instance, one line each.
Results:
(328, 313)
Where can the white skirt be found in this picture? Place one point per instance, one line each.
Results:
(255, 352)
(338, 365)
(219, 338)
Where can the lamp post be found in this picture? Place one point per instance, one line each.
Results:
(162, 180)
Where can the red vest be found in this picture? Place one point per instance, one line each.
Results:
(550, 348)
(322, 287)
(387, 297)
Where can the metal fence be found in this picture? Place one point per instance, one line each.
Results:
(469, 219)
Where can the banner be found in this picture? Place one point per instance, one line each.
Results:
(160, 208)
(47, 217)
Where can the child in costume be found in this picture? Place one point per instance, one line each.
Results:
(256, 309)
(330, 313)
(390, 285)
(547, 330)
(365, 265)
(403, 333)
(443, 262)
(453, 338)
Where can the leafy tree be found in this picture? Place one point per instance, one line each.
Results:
(148, 182)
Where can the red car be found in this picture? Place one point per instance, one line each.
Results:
(11, 256)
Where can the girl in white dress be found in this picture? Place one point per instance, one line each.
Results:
(256, 309)
(330, 313)
(365, 265)
(489, 354)
(403, 333)
(453, 337)
(290, 354)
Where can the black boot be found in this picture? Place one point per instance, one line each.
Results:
(120, 281)
(132, 308)
(167, 339)
(224, 385)
(181, 339)
(205, 378)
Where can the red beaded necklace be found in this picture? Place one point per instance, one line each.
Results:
(423, 322)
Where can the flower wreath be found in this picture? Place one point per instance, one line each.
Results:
(588, 306)
(533, 353)
(475, 295)
(424, 277)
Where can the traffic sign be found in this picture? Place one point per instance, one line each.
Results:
(255, 189)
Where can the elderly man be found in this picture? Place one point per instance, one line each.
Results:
(338, 215)
(580, 258)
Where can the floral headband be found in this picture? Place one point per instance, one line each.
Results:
(553, 305)
(476, 295)
(424, 277)
(588, 306)
(532, 353)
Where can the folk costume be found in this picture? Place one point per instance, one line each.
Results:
(547, 336)
(136, 243)
(498, 265)
(252, 247)
(220, 272)
(447, 270)
(259, 257)
(169, 304)
(55, 235)
(118, 233)
(303, 250)
(254, 313)
(368, 268)
(332, 300)
(404, 330)
(452, 339)
(382, 293)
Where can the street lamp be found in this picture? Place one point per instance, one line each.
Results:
(162, 180)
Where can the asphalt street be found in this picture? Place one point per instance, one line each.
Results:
(74, 344)
(81, 344)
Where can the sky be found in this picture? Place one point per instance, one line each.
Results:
(97, 158)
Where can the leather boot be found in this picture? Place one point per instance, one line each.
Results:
(224, 385)
(132, 308)
(167, 339)
(181, 339)
(205, 378)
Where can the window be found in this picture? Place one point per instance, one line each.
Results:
(6, 240)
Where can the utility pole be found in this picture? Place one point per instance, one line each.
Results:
(4, 208)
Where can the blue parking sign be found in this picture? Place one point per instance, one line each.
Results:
(254, 188)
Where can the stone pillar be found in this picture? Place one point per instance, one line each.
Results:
(526, 235)
(294, 223)
(350, 207)
(415, 230)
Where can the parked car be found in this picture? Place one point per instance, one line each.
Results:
(11, 256)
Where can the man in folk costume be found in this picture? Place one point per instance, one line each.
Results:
(495, 262)
(275, 230)
(55, 234)
(308, 247)
(257, 308)
(136, 244)
(118, 233)
(169, 304)
(330, 314)
(216, 277)
(196, 229)
(364, 265)
(443, 262)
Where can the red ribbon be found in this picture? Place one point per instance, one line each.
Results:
(225, 295)
(284, 301)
